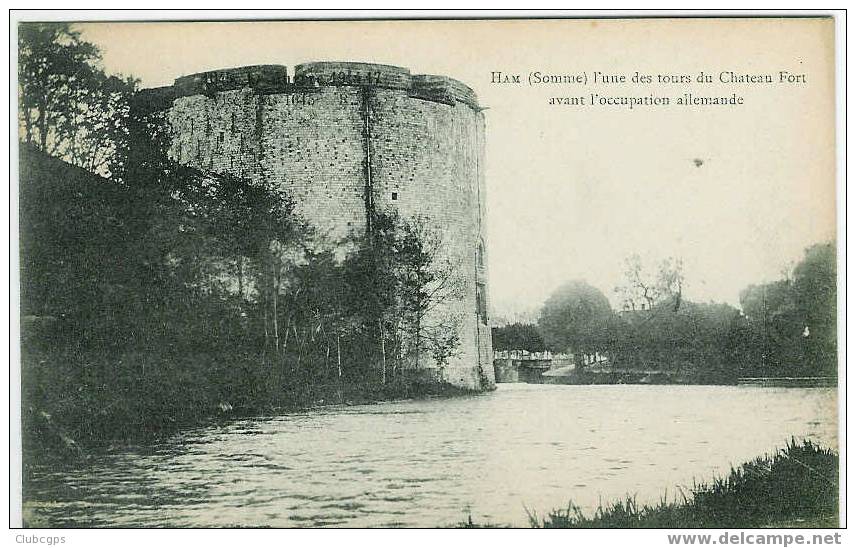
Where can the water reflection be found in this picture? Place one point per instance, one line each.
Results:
(427, 463)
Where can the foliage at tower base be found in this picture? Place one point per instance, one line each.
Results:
(174, 295)
(399, 281)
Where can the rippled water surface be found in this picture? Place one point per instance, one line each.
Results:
(430, 463)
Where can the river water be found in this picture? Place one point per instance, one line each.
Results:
(433, 462)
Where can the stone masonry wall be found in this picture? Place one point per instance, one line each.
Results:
(426, 153)
(417, 140)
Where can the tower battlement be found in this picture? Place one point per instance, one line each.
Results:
(308, 77)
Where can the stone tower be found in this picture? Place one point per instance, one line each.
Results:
(342, 138)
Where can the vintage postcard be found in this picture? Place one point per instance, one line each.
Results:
(562, 272)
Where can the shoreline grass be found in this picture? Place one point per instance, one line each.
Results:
(794, 487)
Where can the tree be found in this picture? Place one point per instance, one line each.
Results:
(696, 337)
(518, 336)
(792, 322)
(399, 282)
(316, 316)
(642, 291)
(69, 107)
(815, 288)
(213, 245)
(576, 317)
(427, 280)
(775, 326)
(373, 293)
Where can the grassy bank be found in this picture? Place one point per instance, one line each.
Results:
(74, 402)
(795, 487)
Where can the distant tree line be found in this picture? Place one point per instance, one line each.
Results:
(783, 328)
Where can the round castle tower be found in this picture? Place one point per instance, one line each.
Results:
(344, 139)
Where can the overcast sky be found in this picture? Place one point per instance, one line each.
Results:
(572, 191)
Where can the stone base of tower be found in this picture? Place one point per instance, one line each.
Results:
(461, 375)
(470, 377)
